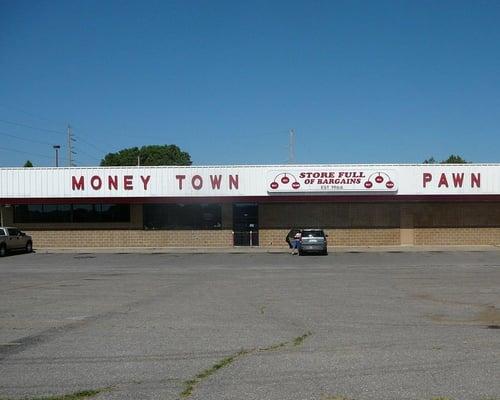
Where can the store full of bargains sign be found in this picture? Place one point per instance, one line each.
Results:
(332, 180)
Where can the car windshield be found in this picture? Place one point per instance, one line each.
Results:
(317, 233)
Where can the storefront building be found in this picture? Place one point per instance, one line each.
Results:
(357, 205)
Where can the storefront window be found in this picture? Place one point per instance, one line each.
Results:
(42, 213)
(67, 213)
(182, 216)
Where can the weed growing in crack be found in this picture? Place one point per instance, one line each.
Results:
(191, 384)
(85, 394)
(300, 339)
(275, 346)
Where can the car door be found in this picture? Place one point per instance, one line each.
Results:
(4, 238)
(14, 239)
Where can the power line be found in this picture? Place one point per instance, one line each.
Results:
(88, 155)
(79, 137)
(26, 152)
(29, 113)
(25, 139)
(32, 127)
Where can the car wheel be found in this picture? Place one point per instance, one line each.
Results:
(325, 252)
(301, 253)
(29, 247)
(3, 250)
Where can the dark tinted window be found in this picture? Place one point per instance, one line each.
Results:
(42, 213)
(317, 233)
(53, 213)
(182, 216)
(13, 232)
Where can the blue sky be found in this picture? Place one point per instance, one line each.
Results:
(359, 81)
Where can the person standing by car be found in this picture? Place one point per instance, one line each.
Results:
(296, 243)
(289, 238)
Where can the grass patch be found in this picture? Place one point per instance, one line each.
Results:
(84, 394)
(300, 339)
(191, 383)
(275, 346)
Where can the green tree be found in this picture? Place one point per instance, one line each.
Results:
(453, 159)
(28, 164)
(148, 155)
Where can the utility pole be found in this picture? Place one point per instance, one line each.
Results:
(291, 147)
(71, 139)
(56, 148)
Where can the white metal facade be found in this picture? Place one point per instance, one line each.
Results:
(249, 181)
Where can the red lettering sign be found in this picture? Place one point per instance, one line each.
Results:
(197, 182)
(443, 181)
(96, 182)
(145, 180)
(426, 178)
(475, 180)
(216, 181)
(113, 182)
(233, 182)
(180, 178)
(127, 182)
(77, 184)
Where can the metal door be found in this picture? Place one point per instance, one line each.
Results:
(245, 224)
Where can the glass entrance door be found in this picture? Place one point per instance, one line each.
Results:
(246, 224)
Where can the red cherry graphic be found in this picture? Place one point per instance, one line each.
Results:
(285, 180)
(295, 185)
(274, 185)
(379, 179)
(389, 185)
(368, 184)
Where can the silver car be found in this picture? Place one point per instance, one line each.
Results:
(12, 239)
(313, 240)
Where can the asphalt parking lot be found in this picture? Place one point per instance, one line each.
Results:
(358, 326)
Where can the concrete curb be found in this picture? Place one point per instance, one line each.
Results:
(250, 250)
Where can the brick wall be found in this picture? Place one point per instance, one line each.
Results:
(457, 236)
(338, 237)
(131, 238)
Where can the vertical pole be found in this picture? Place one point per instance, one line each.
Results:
(251, 242)
(291, 147)
(70, 150)
(56, 148)
(1, 216)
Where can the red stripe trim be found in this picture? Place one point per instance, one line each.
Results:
(257, 199)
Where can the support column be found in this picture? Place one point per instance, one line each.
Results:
(227, 216)
(407, 232)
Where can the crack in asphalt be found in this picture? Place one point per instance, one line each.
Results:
(190, 384)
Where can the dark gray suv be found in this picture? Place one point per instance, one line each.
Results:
(313, 241)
